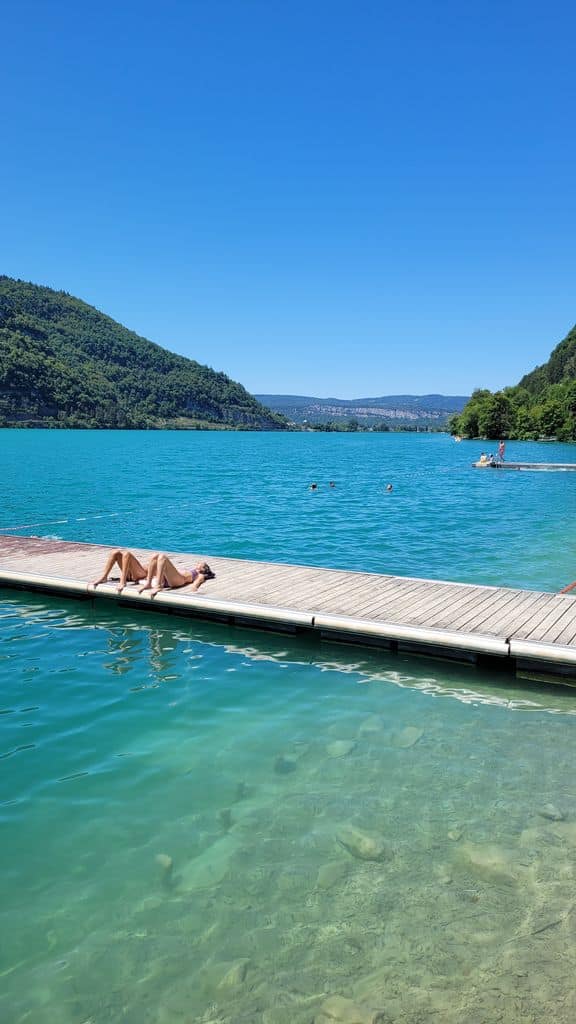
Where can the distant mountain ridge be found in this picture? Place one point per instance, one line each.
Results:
(63, 363)
(413, 410)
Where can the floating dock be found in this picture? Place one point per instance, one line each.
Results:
(525, 631)
(543, 467)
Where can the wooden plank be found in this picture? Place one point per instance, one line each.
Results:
(405, 592)
(488, 608)
(551, 623)
(458, 603)
(437, 601)
(393, 594)
(568, 633)
(475, 618)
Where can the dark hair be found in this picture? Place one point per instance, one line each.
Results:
(207, 571)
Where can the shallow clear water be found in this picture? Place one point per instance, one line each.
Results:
(186, 808)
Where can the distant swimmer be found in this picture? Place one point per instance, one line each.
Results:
(332, 484)
(313, 487)
(389, 487)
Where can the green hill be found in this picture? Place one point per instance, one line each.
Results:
(65, 364)
(543, 404)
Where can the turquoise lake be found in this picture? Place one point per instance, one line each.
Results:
(207, 824)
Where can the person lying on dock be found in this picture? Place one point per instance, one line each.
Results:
(163, 573)
(159, 573)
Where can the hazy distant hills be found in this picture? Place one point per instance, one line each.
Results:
(63, 363)
(395, 410)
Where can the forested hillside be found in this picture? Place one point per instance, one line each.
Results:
(65, 364)
(543, 404)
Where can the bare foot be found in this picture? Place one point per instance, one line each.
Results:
(95, 583)
(145, 586)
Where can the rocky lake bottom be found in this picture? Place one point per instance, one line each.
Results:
(209, 827)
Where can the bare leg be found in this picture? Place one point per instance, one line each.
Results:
(114, 558)
(152, 566)
(168, 575)
(132, 570)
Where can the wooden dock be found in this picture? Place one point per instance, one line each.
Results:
(541, 467)
(525, 631)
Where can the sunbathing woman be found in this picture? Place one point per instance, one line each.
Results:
(163, 573)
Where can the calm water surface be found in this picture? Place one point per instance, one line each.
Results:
(206, 824)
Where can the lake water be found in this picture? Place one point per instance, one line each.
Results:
(202, 823)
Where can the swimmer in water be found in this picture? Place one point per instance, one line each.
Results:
(389, 487)
(313, 487)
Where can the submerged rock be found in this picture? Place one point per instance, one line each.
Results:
(211, 866)
(284, 765)
(235, 975)
(331, 873)
(443, 874)
(339, 748)
(490, 862)
(241, 791)
(408, 737)
(362, 845)
(166, 864)
(565, 830)
(346, 1011)
(372, 724)
(551, 812)
(225, 818)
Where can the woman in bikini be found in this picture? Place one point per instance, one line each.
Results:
(165, 574)
(161, 572)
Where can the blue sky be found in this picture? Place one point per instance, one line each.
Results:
(324, 198)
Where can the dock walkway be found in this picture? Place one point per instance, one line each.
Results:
(543, 467)
(528, 631)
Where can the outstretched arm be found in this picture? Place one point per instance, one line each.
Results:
(570, 586)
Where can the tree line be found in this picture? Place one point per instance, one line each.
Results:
(542, 405)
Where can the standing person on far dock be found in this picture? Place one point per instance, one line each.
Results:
(501, 449)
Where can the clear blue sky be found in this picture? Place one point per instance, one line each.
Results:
(325, 198)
